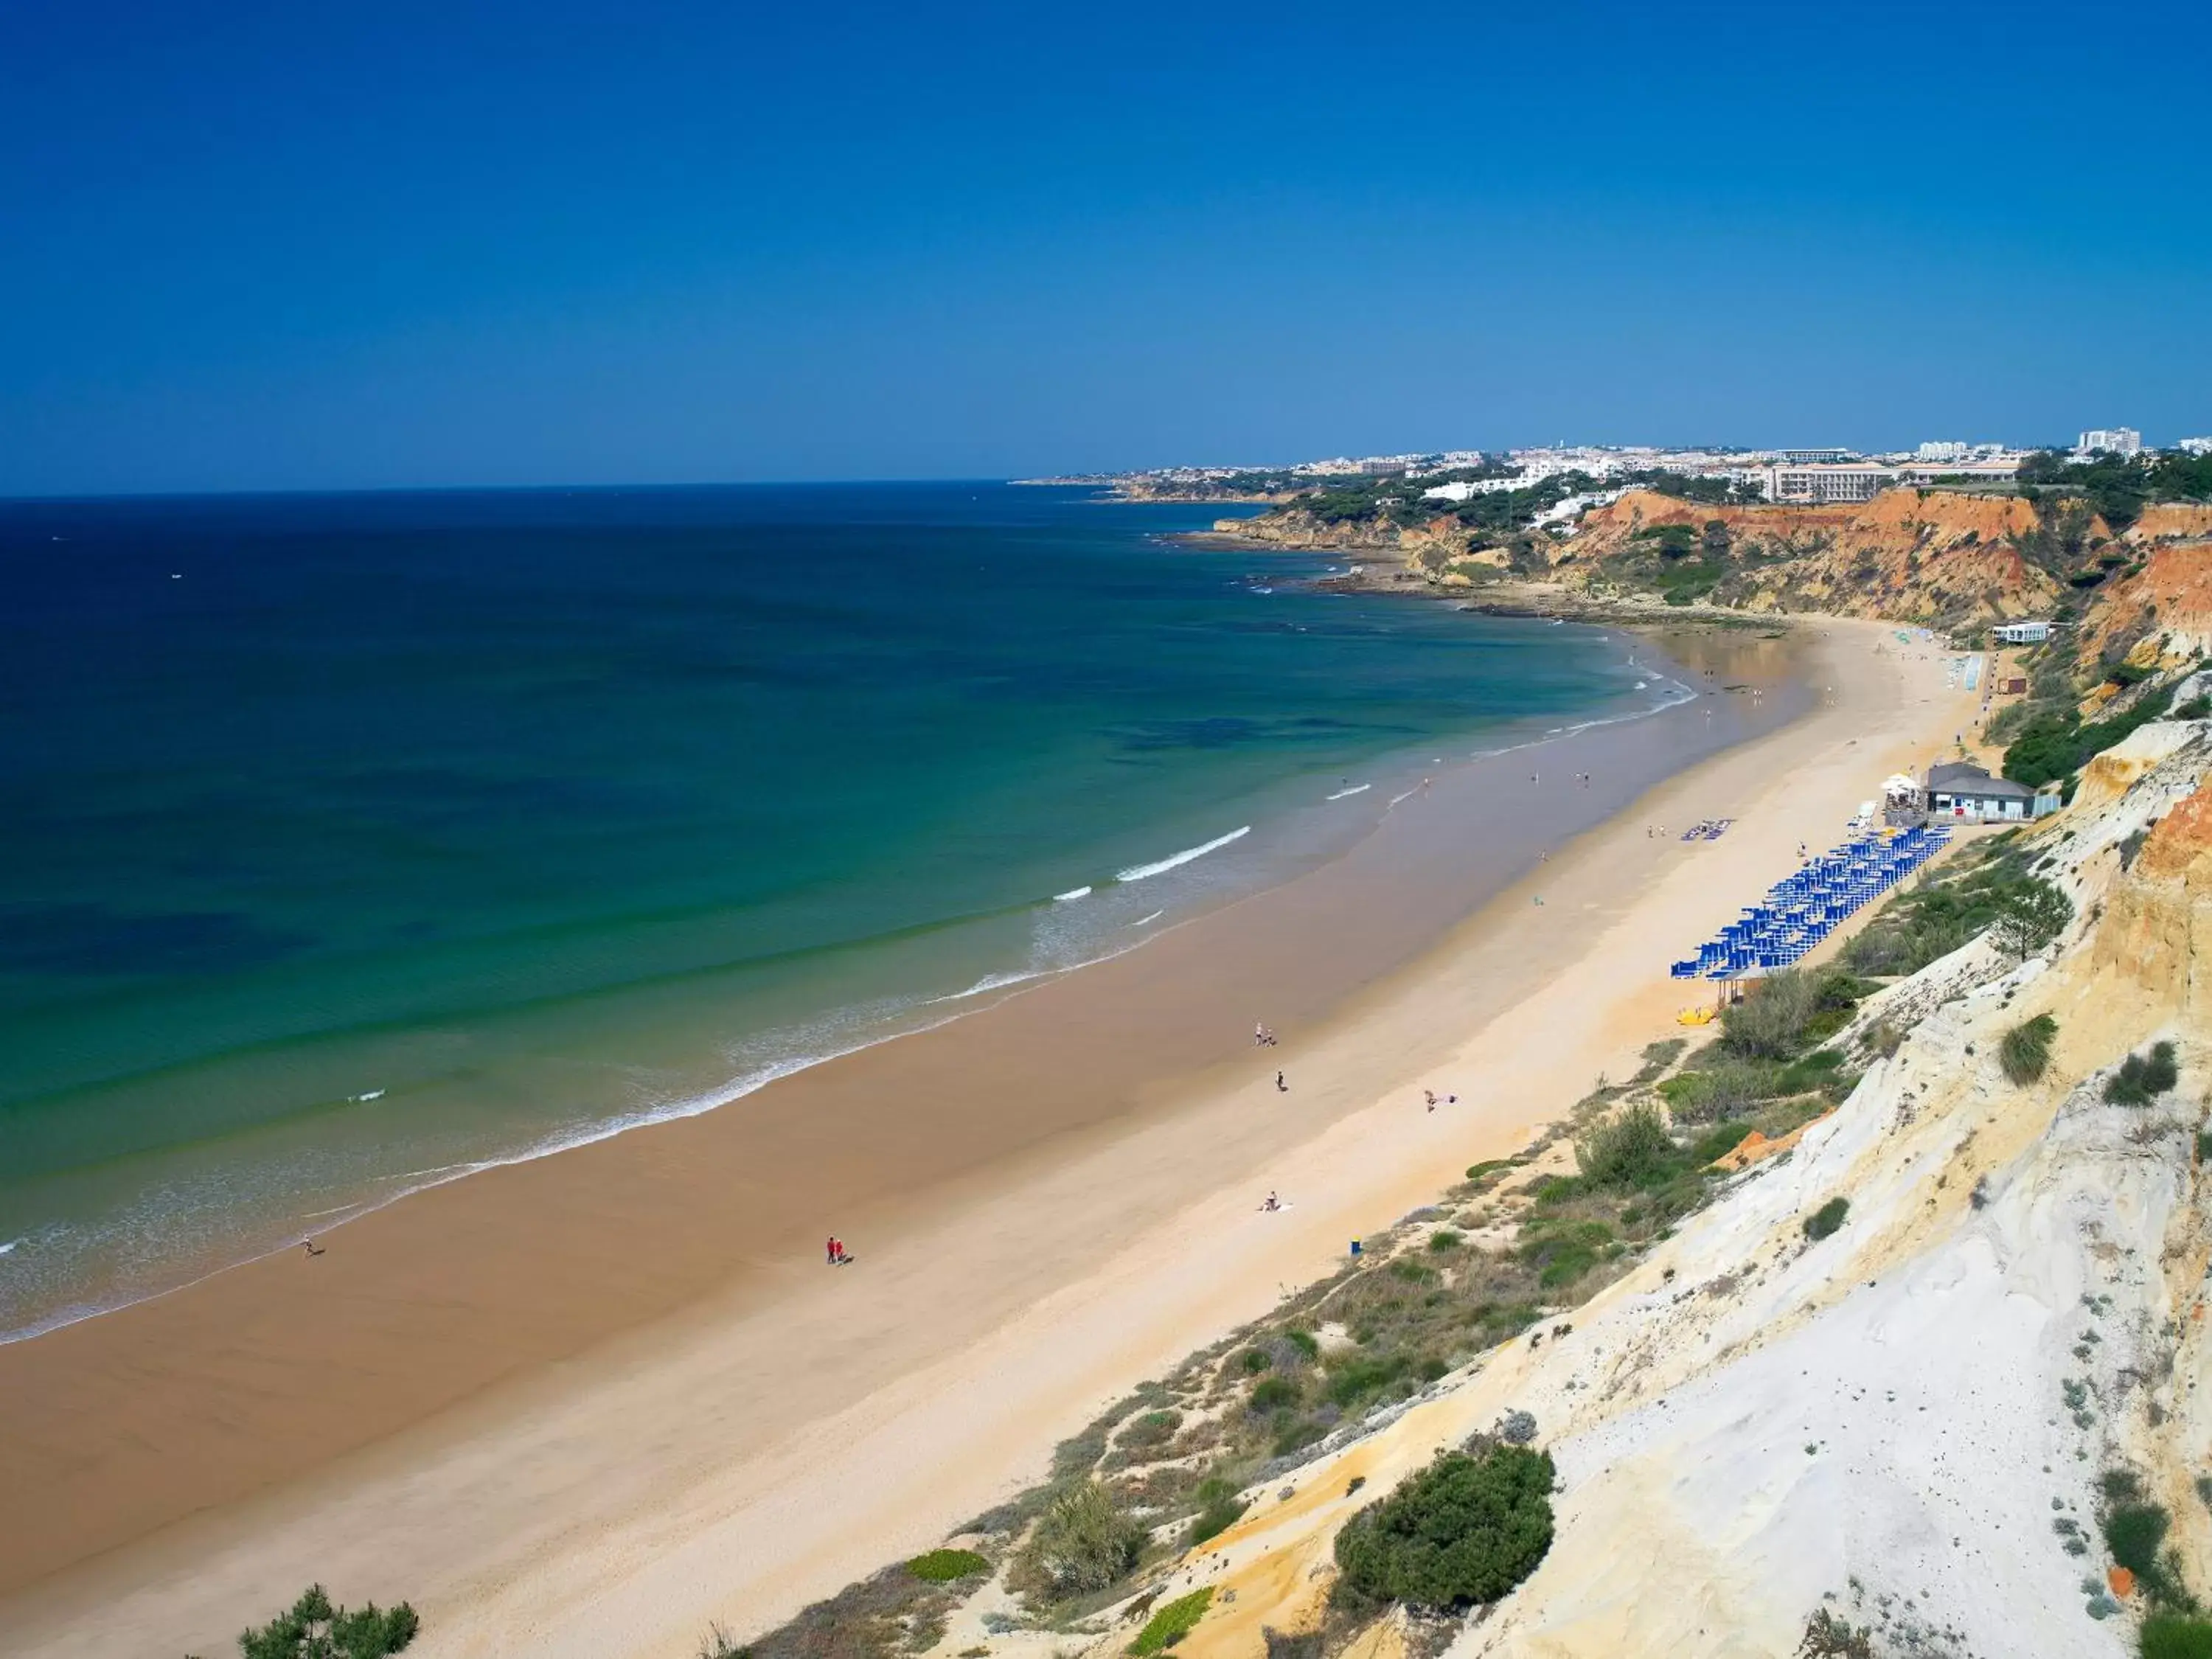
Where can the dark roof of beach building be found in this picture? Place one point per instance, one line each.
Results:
(1958, 778)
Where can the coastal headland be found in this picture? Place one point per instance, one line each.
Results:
(604, 1398)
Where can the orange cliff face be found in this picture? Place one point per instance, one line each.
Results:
(2157, 928)
(2169, 521)
(2170, 597)
(1907, 555)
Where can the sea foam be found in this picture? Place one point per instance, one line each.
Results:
(1141, 872)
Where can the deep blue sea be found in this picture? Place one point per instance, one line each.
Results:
(349, 842)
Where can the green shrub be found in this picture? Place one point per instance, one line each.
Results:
(1828, 1218)
(1464, 1530)
(1444, 1239)
(2133, 1533)
(2054, 745)
(2142, 1078)
(1726, 1087)
(1353, 1378)
(1172, 1622)
(1305, 1342)
(1766, 1024)
(1256, 1359)
(2196, 708)
(942, 1566)
(311, 1628)
(1827, 1636)
(1219, 1509)
(1563, 1251)
(2175, 1636)
(1718, 1141)
(2025, 1054)
(1630, 1149)
(2030, 916)
(1273, 1393)
(1082, 1542)
(1152, 1429)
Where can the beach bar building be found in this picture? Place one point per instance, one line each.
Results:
(1957, 790)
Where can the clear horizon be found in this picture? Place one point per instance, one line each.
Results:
(260, 250)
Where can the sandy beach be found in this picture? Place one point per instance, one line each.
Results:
(586, 1405)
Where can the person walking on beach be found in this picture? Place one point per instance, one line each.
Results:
(1281, 1087)
(313, 1248)
(831, 1251)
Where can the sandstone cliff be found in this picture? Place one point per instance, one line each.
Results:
(1938, 557)
(1903, 1426)
(1914, 556)
(2167, 597)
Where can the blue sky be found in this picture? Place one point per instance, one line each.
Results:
(275, 246)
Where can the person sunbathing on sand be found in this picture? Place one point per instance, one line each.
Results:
(1272, 1203)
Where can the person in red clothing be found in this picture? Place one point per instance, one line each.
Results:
(831, 1250)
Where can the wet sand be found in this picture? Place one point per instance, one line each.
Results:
(592, 1363)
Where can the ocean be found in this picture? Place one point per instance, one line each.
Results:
(350, 843)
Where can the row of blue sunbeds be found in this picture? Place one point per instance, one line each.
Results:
(1801, 911)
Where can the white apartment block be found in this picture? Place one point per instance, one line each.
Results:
(1462, 489)
(2112, 441)
(1822, 483)
(2194, 446)
(2003, 471)
(1943, 452)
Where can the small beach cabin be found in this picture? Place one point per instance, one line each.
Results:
(1957, 790)
(2020, 632)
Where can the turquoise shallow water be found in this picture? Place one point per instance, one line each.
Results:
(349, 842)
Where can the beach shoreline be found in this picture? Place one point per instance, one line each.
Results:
(1065, 1263)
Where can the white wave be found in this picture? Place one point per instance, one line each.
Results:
(8, 1249)
(1141, 872)
(988, 982)
(1141, 921)
(1407, 794)
(374, 1094)
(1071, 894)
(1356, 789)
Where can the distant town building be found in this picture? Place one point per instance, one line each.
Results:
(2110, 441)
(1815, 457)
(1461, 489)
(2195, 445)
(2020, 632)
(1997, 471)
(1943, 452)
(1819, 485)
